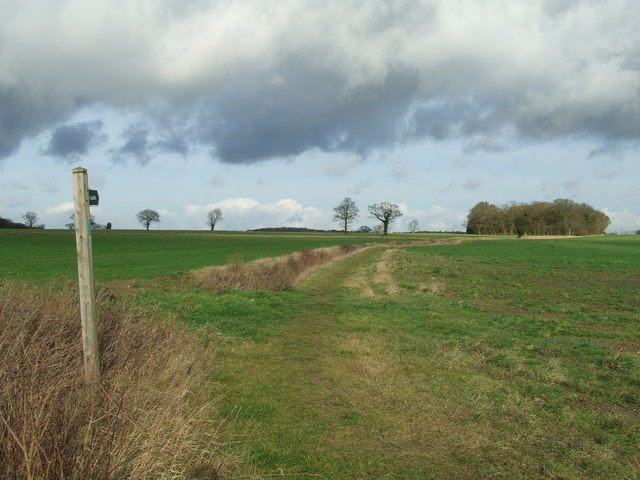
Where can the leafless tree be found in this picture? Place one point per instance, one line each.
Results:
(386, 212)
(213, 216)
(146, 217)
(345, 213)
(30, 219)
(414, 226)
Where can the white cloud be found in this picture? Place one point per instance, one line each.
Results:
(246, 213)
(622, 221)
(165, 213)
(61, 208)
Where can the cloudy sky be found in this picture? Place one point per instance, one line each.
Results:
(275, 110)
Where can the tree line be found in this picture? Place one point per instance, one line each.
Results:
(345, 213)
(559, 217)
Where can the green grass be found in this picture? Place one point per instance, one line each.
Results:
(616, 252)
(496, 359)
(491, 359)
(40, 255)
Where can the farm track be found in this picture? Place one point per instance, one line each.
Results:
(299, 400)
(324, 393)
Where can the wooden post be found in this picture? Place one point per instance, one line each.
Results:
(85, 275)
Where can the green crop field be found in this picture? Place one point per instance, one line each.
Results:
(496, 358)
(491, 359)
(40, 255)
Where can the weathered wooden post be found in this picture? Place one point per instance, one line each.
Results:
(85, 275)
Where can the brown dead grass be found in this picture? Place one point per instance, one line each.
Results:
(273, 274)
(149, 417)
(379, 278)
(384, 277)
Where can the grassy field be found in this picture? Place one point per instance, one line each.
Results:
(495, 359)
(40, 255)
(501, 359)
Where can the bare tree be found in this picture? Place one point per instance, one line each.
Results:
(386, 212)
(30, 219)
(146, 217)
(345, 213)
(414, 226)
(213, 216)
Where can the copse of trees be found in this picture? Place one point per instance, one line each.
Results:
(6, 223)
(560, 217)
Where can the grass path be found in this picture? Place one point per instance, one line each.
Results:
(330, 394)
(287, 400)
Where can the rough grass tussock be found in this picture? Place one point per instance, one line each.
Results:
(272, 274)
(148, 418)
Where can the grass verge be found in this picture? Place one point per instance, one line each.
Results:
(273, 274)
(151, 416)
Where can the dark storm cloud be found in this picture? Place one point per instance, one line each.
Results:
(13, 120)
(173, 143)
(444, 118)
(23, 114)
(143, 141)
(70, 141)
(136, 146)
(306, 111)
(250, 80)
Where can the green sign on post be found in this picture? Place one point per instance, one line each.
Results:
(93, 197)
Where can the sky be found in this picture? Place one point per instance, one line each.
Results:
(274, 111)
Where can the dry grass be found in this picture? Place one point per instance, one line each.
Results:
(148, 418)
(384, 277)
(272, 274)
(371, 281)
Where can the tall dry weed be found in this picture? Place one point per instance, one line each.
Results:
(149, 418)
(273, 274)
